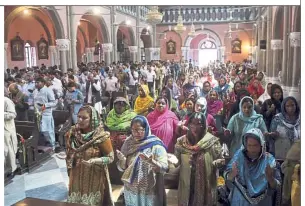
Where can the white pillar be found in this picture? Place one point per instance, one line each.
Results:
(149, 54)
(5, 56)
(53, 55)
(107, 48)
(63, 47)
(73, 29)
(222, 53)
(133, 53)
(88, 55)
(92, 54)
(276, 46)
(255, 54)
(295, 43)
(268, 46)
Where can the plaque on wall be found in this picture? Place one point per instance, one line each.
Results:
(43, 48)
(17, 49)
(262, 44)
(236, 46)
(171, 47)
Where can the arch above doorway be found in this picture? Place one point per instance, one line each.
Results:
(211, 33)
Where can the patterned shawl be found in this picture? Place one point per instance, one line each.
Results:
(78, 142)
(120, 122)
(132, 146)
(254, 116)
(143, 103)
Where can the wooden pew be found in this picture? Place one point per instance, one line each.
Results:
(62, 123)
(30, 155)
(39, 202)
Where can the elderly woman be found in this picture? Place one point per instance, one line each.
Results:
(253, 172)
(118, 123)
(143, 159)
(144, 103)
(199, 153)
(285, 128)
(214, 104)
(163, 123)
(243, 121)
(223, 89)
(89, 151)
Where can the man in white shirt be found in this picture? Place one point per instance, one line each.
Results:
(111, 84)
(133, 79)
(151, 76)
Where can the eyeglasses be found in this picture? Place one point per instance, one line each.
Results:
(137, 130)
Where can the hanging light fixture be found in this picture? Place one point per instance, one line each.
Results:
(154, 16)
(180, 28)
(193, 31)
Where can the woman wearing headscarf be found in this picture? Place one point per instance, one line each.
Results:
(144, 103)
(166, 92)
(201, 106)
(272, 106)
(266, 94)
(235, 106)
(163, 123)
(214, 104)
(143, 159)
(119, 118)
(199, 154)
(243, 121)
(285, 128)
(252, 175)
(89, 151)
(262, 78)
(292, 159)
(223, 89)
(255, 88)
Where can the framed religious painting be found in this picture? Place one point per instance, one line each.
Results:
(171, 47)
(236, 46)
(17, 49)
(43, 48)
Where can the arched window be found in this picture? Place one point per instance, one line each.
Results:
(30, 55)
(208, 44)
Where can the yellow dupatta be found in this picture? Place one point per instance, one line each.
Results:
(142, 104)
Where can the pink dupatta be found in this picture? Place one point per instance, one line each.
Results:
(163, 125)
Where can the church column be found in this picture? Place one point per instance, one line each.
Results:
(254, 55)
(295, 43)
(148, 54)
(53, 54)
(285, 46)
(107, 48)
(63, 47)
(5, 56)
(156, 53)
(268, 42)
(222, 53)
(113, 33)
(276, 47)
(183, 53)
(138, 55)
(88, 54)
(73, 37)
(92, 49)
(133, 53)
(154, 40)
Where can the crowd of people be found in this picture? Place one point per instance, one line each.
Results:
(229, 135)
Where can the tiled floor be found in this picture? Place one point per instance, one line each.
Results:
(50, 182)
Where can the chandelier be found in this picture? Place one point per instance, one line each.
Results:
(192, 32)
(180, 28)
(154, 16)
